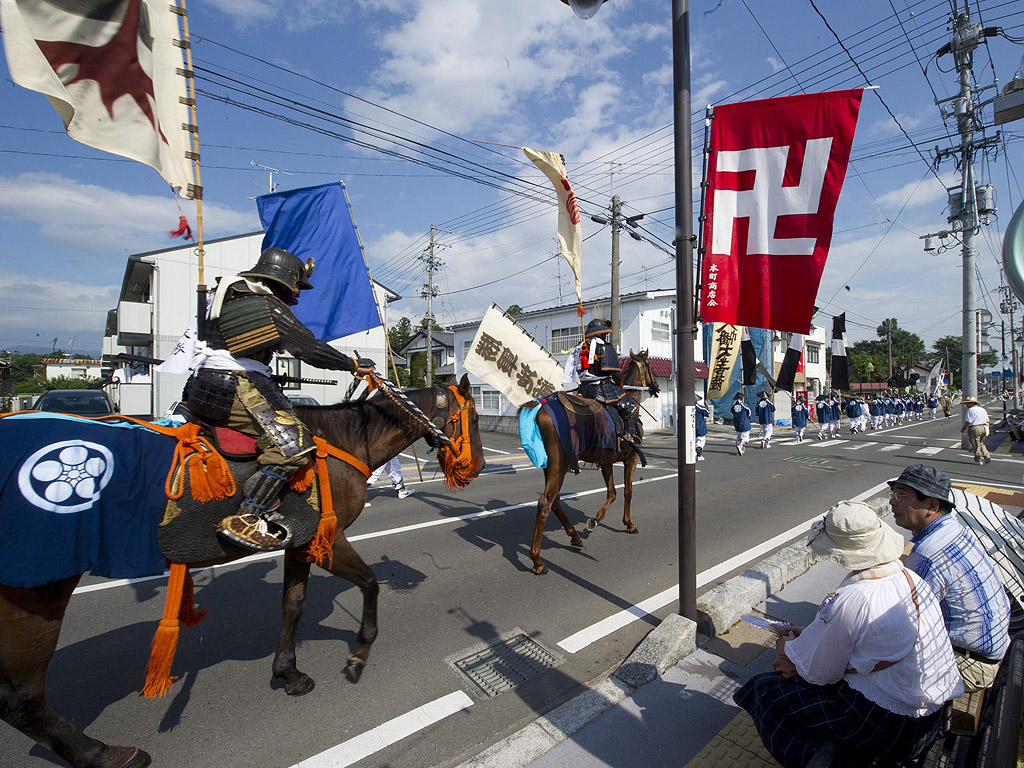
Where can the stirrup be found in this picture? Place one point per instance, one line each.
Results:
(250, 531)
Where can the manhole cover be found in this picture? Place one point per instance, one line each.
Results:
(505, 664)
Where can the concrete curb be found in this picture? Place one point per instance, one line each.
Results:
(665, 646)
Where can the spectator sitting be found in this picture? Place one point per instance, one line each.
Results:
(974, 606)
(873, 669)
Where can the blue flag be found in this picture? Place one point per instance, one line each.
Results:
(317, 221)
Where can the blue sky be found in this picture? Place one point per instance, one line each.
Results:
(425, 78)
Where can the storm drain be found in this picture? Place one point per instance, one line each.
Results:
(506, 664)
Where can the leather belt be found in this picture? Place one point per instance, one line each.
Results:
(974, 655)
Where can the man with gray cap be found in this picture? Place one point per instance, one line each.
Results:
(947, 556)
(873, 669)
(976, 427)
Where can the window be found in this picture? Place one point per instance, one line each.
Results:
(660, 331)
(290, 367)
(564, 339)
(813, 353)
(490, 400)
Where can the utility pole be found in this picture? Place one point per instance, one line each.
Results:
(969, 202)
(428, 292)
(616, 226)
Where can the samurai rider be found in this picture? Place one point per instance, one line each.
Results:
(249, 320)
(598, 360)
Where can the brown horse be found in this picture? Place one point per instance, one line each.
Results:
(373, 430)
(638, 376)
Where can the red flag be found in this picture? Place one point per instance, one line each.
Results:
(775, 170)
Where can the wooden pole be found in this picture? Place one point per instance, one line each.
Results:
(388, 352)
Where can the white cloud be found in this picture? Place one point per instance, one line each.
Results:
(37, 310)
(95, 219)
(917, 193)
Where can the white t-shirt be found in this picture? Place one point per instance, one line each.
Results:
(975, 416)
(868, 620)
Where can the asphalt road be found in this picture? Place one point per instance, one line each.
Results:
(454, 574)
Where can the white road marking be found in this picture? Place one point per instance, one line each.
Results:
(823, 443)
(890, 447)
(858, 446)
(579, 640)
(930, 451)
(396, 729)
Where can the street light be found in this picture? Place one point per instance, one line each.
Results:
(585, 8)
(686, 330)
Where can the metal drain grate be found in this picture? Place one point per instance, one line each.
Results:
(506, 664)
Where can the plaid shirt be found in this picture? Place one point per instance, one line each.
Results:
(974, 606)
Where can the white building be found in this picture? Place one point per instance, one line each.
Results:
(72, 368)
(813, 376)
(158, 302)
(647, 319)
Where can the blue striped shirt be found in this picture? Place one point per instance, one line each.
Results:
(974, 606)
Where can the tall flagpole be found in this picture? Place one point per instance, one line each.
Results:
(196, 190)
(388, 352)
(686, 332)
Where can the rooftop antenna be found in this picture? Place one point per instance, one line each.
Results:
(271, 172)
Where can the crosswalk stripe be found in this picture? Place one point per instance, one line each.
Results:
(821, 443)
(929, 451)
(858, 446)
(890, 448)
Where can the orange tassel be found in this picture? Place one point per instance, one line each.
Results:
(321, 548)
(188, 615)
(209, 475)
(302, 478)
(165, 641)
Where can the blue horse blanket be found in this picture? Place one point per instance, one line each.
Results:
(79, 495)
(575, 433)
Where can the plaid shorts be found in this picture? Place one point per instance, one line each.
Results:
(795, 718)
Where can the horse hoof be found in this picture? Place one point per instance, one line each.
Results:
(354, 667)
(302, 685)
(591, 523)
(139, 759)
(540, 570)
(632, 529)
(577, 541)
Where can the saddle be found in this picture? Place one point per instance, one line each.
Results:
(229, 443)
(581, 406)
(187, 532)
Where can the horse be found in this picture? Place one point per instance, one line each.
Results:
(372, 430)
(637, 376)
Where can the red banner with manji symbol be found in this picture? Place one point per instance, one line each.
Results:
(775, 170)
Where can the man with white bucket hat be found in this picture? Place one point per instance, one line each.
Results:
(873, 669)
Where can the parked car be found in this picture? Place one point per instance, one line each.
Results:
(303, 400)
(80, 402)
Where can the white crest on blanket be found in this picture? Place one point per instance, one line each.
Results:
(66, 477)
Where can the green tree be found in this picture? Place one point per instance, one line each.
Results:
(908, 350)
(514, 310)
(400, 333)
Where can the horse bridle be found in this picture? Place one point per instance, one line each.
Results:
(460, 419)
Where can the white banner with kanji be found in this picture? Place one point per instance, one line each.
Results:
(507, 357)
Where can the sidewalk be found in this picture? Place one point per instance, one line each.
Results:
(670, 703)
